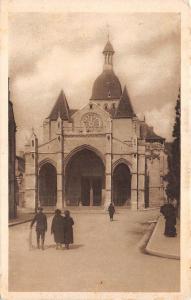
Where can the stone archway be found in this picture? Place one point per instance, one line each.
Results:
(47, 185)
(84, 179)
(121, 183)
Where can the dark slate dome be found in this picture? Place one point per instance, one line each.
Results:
(106, 86)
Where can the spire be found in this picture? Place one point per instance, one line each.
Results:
(108, 53)
(60, 109)
(125, 109)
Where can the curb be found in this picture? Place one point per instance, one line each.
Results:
(146, 237)
(20, 222)
(149, 250)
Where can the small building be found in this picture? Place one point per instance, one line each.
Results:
(12, 156)
(98, 154)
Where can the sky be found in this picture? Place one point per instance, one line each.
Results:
(49, 52)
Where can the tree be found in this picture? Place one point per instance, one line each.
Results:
(173, 176)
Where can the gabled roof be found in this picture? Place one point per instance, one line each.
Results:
(125, 109)
(60, 109)
(108, 47)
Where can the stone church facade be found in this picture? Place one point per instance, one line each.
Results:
(98, 154)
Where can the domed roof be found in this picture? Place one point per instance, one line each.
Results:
(106, 86)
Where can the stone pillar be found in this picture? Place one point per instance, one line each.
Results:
(59, 203)
(141, 176)
(134, 182)
(108, 167)
(60, 166)
(31, 174)
(91, 195)
(134, 191)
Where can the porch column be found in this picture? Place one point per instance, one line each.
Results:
(91, 194)
(108, 171)
(59, 203)
(134, 191)
(134, 181)
(141, 177)
(60, 167)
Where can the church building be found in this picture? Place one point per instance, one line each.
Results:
(98, 154)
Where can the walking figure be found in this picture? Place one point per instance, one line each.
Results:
(111, 210)
(68, 230)
(41, 226)
(169, 212)
(57, 228)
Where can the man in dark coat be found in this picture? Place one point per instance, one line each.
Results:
(111, 210)
(41, 226)
(169, 212)
(68, 230)
(57, 228)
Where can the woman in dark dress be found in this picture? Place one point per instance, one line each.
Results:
(68, 230)
(111, 210)
(57, 228)
(169, 212)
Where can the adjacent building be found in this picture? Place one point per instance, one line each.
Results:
(20, 180)
(12, 156)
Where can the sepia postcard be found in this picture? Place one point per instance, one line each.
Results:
(95, 143)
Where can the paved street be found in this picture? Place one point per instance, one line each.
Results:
(104, 257)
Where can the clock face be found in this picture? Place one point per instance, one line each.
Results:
(91, 121)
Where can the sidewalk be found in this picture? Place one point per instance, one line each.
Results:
(160, 245)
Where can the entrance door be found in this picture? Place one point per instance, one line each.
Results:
(97, 191)
(47, 185)
(121, 185)
(85, 191)
(89, 184)
(84, 179)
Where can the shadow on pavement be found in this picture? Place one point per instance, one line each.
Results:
(53, 246)
(75, 246)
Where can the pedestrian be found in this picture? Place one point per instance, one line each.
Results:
(68, 230)
(41, 226)
(169, 212)
(111, 210)
(57, 228)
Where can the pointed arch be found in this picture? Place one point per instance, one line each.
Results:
(83, 147)
(45, 161)
(84, 177)
(47, 188)
(121, 184)
(122, 161)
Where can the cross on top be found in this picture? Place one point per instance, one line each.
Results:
(107, 25)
